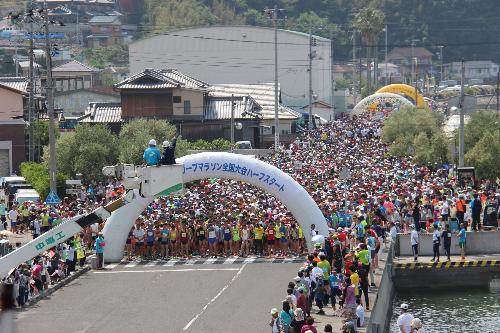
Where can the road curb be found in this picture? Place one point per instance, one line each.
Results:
(55, 287)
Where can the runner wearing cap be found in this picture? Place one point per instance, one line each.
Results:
(404, 319)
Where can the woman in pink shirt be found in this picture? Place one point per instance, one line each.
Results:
(349, 300)
(309, 326)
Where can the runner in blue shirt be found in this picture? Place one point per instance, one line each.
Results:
(152, 155)
(462, 236)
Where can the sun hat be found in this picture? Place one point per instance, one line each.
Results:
(274, 311)
(416, 323)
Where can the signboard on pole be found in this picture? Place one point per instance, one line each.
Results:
(52, 199)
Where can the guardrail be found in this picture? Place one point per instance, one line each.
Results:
(380, 316)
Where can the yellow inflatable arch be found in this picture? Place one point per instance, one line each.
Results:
(406, 90)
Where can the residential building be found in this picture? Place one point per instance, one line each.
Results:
(199, 110)
(105, 31)
(240, 55)
(482, 69)
(390, 71)
(343, 71)
(75, 102)
(162, 94)
(109, 114)
(324, 109)
(13, 96)
(74, 75)
(405, 56)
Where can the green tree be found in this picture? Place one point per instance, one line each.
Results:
(135, 135)
(37, 174)
(85, 151)
(480, 123)
(421, 144)
(416, 132)
(409, 122)
(370, 22)
(255, 17)
(484, 156)
(167, 15)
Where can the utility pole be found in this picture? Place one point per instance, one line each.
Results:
(31, 74)
(461, 135)
(310, 77)
(441, 56)
(412, 64)
(50, 102)
(232, 120)
(498, 91)
(332, 80)
(273, 14)
(416, 81)
(386, 71)
(354, 66)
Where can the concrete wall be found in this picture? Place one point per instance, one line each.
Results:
(405, 279)
(487, 242)
(380, 316)
(238, 54)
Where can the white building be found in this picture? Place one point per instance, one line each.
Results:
(240, 55)
(481, 69)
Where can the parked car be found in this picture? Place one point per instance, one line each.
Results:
(243, 145)
(23, 195)
(5, 182)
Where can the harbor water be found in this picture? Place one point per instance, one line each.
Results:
(460, 311)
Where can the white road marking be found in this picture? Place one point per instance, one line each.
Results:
(131, 264)
(229, 261)
(171, 262)
(214, 299)
(249, 260)
(209, 261)
(152, 263)
(169, 270)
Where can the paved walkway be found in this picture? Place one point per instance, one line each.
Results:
(20, 238)
(427, 259)
(337, 322)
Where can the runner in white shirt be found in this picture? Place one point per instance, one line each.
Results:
(404, 319)
(414, 241)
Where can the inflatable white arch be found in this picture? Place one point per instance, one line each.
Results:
(380, 97)
(222, 165)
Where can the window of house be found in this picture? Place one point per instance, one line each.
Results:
(187, 107)
(177, 99)
(103, 29)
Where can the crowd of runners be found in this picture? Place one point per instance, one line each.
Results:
(363, 193)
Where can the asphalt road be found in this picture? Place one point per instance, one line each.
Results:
(198, 298)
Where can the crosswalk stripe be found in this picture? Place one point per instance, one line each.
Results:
(202, 261)
(229, 261)
(171, 262)
(131, 264)
(209, 261)
(152, 263)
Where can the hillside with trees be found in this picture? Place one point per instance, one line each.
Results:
(466, 28)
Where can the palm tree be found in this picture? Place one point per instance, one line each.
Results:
(370, 22)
